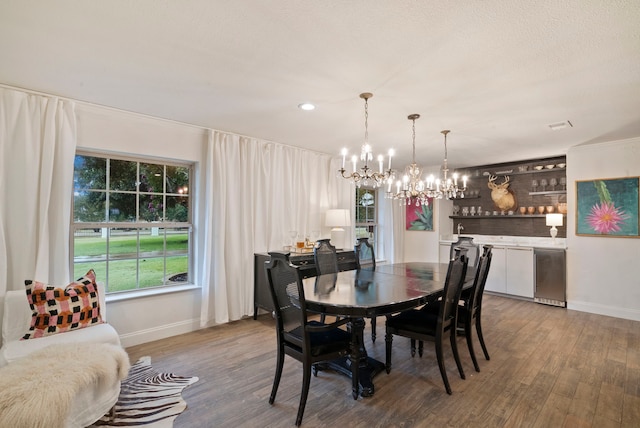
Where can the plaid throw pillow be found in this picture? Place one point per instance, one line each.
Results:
(56, 310)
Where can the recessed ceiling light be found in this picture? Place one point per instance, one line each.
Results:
(306, 106)
(560, 125)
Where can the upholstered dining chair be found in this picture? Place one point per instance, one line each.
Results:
(420, 325)
(308, 341)
(473, 250)
(470, 306)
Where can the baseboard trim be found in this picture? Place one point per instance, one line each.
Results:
(611, 311)
(161, 332)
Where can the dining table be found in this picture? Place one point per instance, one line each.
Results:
(366, 293)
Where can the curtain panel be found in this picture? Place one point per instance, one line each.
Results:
(256, 192)
(37, 148)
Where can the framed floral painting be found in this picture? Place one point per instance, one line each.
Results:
(607, 207)
(420, 217)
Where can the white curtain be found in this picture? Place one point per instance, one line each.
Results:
(37, 149)
(392, 232)
(256, 192)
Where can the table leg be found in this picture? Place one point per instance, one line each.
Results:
(367, 366)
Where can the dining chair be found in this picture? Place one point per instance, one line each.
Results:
(325, 257)
(365, 254)
(308, 341)
(366, 259)
(422, 325)
(473, 250)
(470, 306)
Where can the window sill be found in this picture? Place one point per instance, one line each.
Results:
(135, 294)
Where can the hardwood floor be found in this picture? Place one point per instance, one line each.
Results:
(549, 367)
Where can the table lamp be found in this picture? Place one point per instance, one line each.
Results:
(554, 220)
(337, 219)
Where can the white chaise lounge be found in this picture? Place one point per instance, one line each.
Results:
(92, 401)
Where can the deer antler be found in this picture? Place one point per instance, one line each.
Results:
(492, 185)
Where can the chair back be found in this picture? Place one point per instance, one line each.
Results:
(456, 273)
(325, 257)
(473, 250)
(365, 255)
(482, 271)
(287, 292)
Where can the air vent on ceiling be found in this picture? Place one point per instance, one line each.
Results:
(560, 125)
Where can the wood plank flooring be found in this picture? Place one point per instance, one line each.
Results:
(549, 367)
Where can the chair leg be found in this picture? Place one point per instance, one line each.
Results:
(443, 371)
(413, 348)
(481, 338)
(420, 348)
(454, 348)
(276, 379)
(306, 380)
(373, 329)
(388, 341)
(355, 372)
(467, 332)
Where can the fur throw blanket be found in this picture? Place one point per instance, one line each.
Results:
(38, 390)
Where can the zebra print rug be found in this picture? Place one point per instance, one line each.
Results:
(148, 398)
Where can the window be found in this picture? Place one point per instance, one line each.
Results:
(366, 215)
(132, 222)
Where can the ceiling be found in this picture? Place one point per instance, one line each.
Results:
(496, 73)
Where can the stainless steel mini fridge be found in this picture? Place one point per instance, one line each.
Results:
(550, 276)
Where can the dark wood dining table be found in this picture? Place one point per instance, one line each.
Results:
(359, 294)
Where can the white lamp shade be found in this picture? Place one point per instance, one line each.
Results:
(338, 218)
(554, 219)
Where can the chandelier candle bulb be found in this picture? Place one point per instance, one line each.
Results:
(380, 162)
(344, 156)
(391, 153)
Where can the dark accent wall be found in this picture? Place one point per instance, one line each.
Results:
(521, 176)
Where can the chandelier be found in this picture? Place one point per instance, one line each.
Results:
(446, 187)
(365, 174)
(411, 189)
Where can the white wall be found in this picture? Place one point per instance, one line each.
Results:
(422, 246)
(148, 318)
(603, 273)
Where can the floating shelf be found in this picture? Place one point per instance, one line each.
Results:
(495, 217)
(549, 192)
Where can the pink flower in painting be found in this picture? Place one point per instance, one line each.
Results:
(606, 218)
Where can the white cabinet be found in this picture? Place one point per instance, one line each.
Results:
(519, 271)
(497, 278)
(512, 270)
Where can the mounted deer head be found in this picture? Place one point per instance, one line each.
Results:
(502, 196)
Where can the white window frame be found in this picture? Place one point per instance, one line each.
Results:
(108, 227)
(374, 225)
